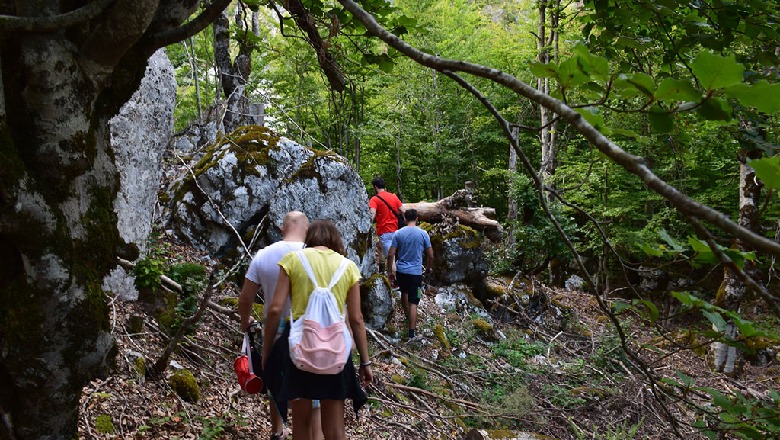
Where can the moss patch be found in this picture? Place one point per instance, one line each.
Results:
(438, 331)
(104, 424)
(185, 385)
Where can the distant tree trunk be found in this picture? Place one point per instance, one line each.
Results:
(511, 214)
(733, 289)
(437, 134)
(233, 74)
(547, 42)
(398, 180)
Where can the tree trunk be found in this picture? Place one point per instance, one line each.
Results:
(547, 42)
(58, 182)
(733, 289)
(233, 74)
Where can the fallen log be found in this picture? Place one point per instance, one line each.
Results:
(459, 206)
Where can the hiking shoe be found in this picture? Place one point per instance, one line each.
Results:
(279, 435)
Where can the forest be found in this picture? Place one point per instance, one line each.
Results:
(629, 149)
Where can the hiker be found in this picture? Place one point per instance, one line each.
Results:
(384, 206)
(264, 271)
(324, 251)
(410, 242)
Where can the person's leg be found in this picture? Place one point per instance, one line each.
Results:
(277, 424)
(301, 415)
(412, 318)
(316, 421)
(333, 419)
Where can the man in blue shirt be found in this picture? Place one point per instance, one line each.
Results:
(410, 242)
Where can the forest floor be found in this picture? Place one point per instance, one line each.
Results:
(520, 374)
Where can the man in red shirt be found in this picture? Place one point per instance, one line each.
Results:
(384, 206)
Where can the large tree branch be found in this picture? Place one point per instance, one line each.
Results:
(116, 32)
(187, 30)
(634, 164)
(11, 23)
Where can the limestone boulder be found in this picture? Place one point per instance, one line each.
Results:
(458, 255)
(139, 136)
(376, 302)
(233, 200)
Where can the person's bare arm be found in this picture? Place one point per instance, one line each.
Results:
(373, 213)
(359, 333)
(274, 312)
(429, 259)
(245, 301)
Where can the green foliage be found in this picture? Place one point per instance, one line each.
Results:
(733, 412)
(213, 428)
(147, 272)
(517, 351)
(719, 317)
(701, 253)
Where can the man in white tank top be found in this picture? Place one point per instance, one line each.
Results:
(264, 272)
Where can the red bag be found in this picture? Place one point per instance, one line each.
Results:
(247, 379)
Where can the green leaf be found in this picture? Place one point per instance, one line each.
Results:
(763, 96)
(542, 70)
(649, 250)
(672, 89)
(768, 170)
(570, 73)
(643, 82)
(670, 241)
(651, 309)
(592, 115)
(589, 63)
(715, 109)
(661, 122)
(716, 319)
(717, 72)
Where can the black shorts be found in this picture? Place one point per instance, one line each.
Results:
(409, 285)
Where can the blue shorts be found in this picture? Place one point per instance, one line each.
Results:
(385, 241)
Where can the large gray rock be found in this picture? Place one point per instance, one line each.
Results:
(139, 136)
(247, 181)
(376, 302)
(458, 255)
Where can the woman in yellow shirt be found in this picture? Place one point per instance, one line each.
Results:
(325, 251)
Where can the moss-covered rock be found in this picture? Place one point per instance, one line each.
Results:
(104, 424)
(484, 328)
(185, 385)
(438, 331)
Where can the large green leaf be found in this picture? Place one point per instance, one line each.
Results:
(717, 72)
(672, 89)
(592, 115)
(661, 122)
(768, 170)
(762, 95)
(715, 109)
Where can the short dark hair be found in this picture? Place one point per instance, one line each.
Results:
(324, 233)
(410, 215)
(378, 182)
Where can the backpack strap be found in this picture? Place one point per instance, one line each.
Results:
(388, 205)
(310, 272)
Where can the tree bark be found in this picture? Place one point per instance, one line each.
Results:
(234, 74)
(733, 289)
(58, 182)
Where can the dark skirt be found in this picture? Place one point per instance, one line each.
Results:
(286, 382)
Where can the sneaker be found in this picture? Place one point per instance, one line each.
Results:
(279, 435)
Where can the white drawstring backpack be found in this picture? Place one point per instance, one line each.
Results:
(320, 341)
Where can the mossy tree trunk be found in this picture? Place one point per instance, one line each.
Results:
(65, 73)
